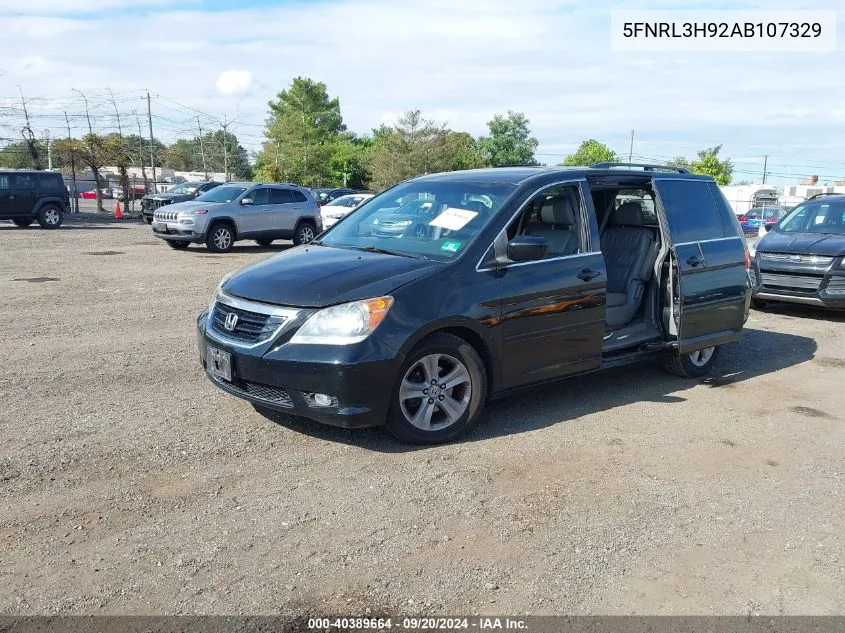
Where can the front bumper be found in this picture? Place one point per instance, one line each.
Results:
(359, 377)
(830, 292)
(178, 232)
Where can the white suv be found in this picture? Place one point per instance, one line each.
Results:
(240, 211)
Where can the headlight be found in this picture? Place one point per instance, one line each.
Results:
(344, 324)
(193, 213)
(404, 223)
(219, 288)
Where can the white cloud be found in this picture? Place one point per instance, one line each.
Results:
(462, 62)
(234, 82)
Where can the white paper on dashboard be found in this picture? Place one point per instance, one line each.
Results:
(453, 219)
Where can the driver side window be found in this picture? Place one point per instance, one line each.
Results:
(553, 214)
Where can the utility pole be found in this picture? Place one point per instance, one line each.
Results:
(49, 151)
(765, 164)
(225, 151)
(631, 149)
(152, 154)
(72, 167)
(141, 153)
(202, 149)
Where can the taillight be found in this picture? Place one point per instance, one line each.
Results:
(747, 259)
(742, 218)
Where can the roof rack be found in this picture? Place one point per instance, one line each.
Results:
(828, 193)
(643, 166)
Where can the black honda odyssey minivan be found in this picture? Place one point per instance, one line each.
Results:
(498, 280)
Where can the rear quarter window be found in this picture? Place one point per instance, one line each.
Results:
(52, 183)
(691, 210)
(298, 196)
(24, 181)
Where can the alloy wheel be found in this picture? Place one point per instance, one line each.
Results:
(701, 357)
(435, 392)
(51, 216)
(222, 238)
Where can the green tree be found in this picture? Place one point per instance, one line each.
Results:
(590, 152)
(510, 141)
(302, 131)
(18, 155)
(679, 161)
(708, 163)
(414, 146)
(462, 151)
(117, 151)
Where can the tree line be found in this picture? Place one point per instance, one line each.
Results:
(307, 142)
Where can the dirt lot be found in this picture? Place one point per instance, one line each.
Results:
(129, 484)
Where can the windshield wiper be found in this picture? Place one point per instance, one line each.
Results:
(384, 251)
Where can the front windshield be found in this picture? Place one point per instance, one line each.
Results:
(184, 188)
(343, 201)
(221, 194)
(437, 220)
(816, 216)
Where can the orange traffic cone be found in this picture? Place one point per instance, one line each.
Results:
(117, 213)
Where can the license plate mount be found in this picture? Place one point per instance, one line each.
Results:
(218, 363)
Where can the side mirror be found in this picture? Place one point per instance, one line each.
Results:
(528, 248)
(246, 201)
(769, 227)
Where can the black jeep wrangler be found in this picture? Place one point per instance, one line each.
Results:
(26, 196)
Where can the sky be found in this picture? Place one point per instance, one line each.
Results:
(458, 62)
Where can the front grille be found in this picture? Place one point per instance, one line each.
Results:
(836, 286)
(169, 216)
(250, 327)
(813, 260)
(266, 393)
(794, 283)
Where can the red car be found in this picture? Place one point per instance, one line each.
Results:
(92, 195)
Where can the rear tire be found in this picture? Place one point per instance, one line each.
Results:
(23, 222)
(179, 246)
(264, 243)
(693, 364)
(304, 233)
(446, 412)
(758, 305)
(50, 217)
(220, 238)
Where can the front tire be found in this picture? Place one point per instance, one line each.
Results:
(23, 222)
(304, 233)
(50, 217)
(179, 246)
(221, 238)
(693, 364)
(148, 220)
(757, 304)
(440, 391)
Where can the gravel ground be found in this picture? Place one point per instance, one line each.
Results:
(130, 485)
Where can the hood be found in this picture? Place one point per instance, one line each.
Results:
(188, 206)
(319, 276)
(829, 245)
(168, 196)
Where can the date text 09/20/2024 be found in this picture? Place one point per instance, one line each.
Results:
(422, 624)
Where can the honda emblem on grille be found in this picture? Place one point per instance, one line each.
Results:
(795, 258)
(231, 321)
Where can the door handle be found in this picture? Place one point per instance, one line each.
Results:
(695, 261)
(587, 274)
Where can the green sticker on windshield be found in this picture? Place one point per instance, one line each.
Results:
(452, 247)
